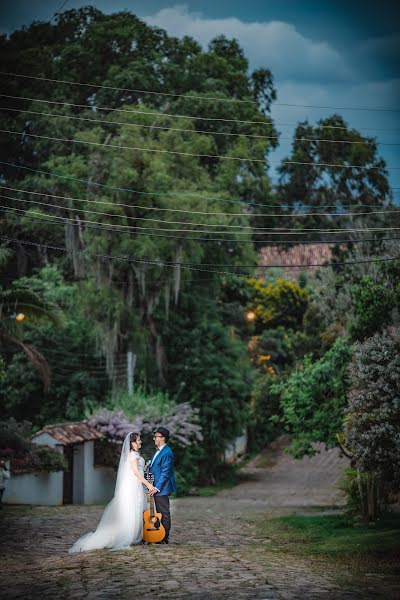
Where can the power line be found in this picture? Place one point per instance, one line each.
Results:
(180, 193)
(270, 230)
(192, 154)
(192, 266)
(58, 11)
(230, 241)
(136, 218)
(194, 131)
(190, 117)
(190, 96)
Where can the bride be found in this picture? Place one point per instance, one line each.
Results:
(122, 520)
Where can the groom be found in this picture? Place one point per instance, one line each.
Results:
(162, 466)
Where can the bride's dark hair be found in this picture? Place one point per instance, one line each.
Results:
(133, 438)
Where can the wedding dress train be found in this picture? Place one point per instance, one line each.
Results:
(122, 521)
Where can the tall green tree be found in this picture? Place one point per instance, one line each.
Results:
(332, 168)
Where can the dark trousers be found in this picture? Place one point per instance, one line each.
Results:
(162, 506)
(1, 496)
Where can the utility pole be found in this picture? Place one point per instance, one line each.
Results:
(131, 364)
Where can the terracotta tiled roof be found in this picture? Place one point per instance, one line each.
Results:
(304, 254)
(71, 433)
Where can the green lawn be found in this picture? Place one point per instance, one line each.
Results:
(334, 537)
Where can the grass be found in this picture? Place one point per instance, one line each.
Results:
(335, 538)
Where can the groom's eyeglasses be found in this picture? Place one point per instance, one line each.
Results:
(157, 435)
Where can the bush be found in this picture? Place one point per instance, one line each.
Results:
(24, 456)
(48, 459)
(2, 369)
(15, 436)
(265, 411)
(373, 305)
(313, 399)
(372, 423)
(279, 303)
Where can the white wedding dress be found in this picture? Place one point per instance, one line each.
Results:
(122, 521)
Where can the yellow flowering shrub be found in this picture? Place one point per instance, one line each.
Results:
(280, 303)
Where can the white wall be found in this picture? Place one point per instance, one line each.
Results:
(91, 485)
(44, 489)
(99, 481)
(45, 439)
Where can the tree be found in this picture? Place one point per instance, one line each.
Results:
(372, 423)
(373, 307)
(313, 398)
(29, 305)
(133, 191)
(209, 368)
(333, 168)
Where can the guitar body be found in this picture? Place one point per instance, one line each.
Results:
(153, 531)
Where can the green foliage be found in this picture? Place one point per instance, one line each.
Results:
(24, 456)
(264, 412)
(48, 459)
(2, 369)
(147, 404)
(352, 483)
(373, 305)
(14, 435)
(372, 424)
(209, 368)
(307, 179)
(313, 398)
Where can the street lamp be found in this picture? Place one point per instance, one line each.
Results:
(250, 315)
(18, 317)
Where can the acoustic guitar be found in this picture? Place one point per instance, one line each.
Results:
(153, 530)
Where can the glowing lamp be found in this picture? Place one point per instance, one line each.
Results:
(19, 317)
(250, 315)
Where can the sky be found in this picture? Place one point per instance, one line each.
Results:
(331, 53)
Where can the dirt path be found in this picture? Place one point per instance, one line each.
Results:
(214, 553)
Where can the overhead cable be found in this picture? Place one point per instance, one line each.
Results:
(178, 193)
(192, 266)
(193, 154)
(270, 230)
(149, 233)
(179, 116)
(191, 212)
(190, 96)
(196, 131)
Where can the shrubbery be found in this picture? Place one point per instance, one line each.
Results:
(24, 456)
(372, 423)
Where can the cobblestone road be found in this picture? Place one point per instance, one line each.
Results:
(214, 553)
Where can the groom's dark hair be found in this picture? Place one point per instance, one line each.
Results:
(164, 432)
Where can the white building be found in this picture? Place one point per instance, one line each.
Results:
(83, 483)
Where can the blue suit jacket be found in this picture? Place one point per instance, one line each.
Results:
(163, 470)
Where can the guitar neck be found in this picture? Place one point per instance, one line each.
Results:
(151, 498)
(151, 502)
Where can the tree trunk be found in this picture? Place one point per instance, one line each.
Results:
(372, 497)
(361, 492)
